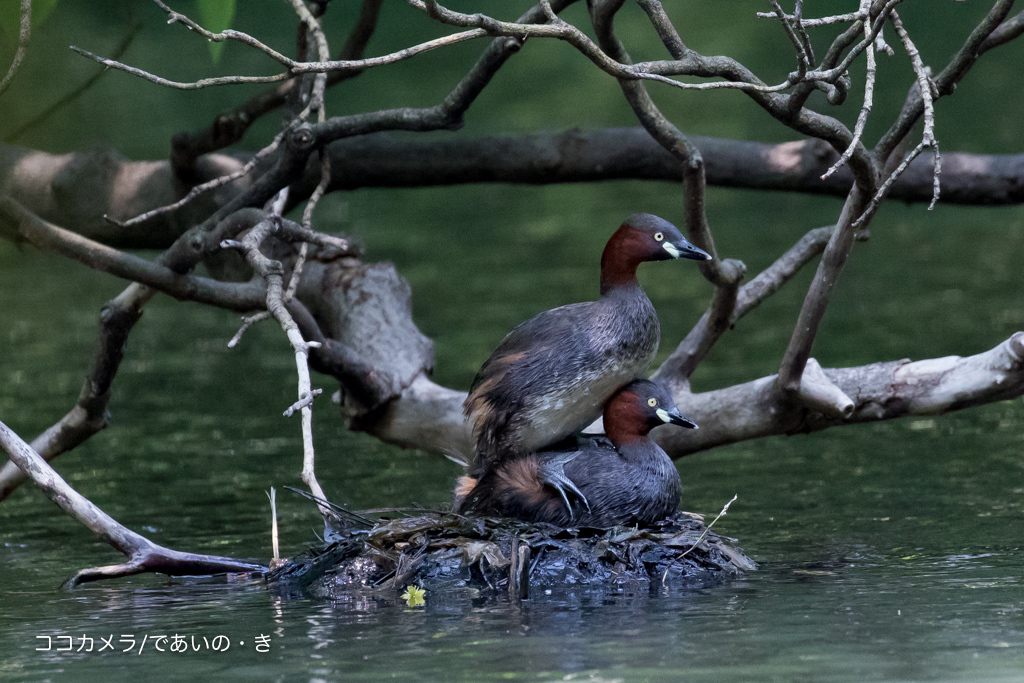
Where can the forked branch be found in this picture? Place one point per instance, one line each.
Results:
(143, 555)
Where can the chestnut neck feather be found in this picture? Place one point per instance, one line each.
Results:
(624, 420)
(626, 250)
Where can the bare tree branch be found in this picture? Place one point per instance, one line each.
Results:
(117, 317)
(975, 45)
(89, 414)
(658, 71)
(862, 117)
(179, 85)
(882, 391)
(143, 555)
(818, 295)
(227, 129)
(857, 212)
(199, 189)
(724, 275)
(70, 97)
(24, 33)
(272, 272)
(47, 237)
(1004, 33)
(772, 278)
(787, 109)
(681, 363)
(924, 89)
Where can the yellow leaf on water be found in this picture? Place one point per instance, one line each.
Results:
(414, 596)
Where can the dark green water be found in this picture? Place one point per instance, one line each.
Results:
(888, 551)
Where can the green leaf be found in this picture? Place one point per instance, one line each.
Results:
(414, 596)
(10, 15)
(215, 15)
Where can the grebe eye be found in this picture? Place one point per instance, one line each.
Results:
(658, 237)
(652, 401)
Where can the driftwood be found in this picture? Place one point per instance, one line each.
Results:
(143, 555)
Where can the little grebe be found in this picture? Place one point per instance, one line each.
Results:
(552, 374)
(633, 483)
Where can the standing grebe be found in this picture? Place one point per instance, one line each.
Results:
(552, 374)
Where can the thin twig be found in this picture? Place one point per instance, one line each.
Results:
(273, 272)
(24, 33)
(323, 52)
(178, 85)
(833, 74)
(247, 322)
(306, 400)
(324, 64)
(803, 59)
(653, 71)
(67, 99)
(823, 21)
(925, 87)
(207, 186)
(924, 82)
(798, 12)
(272, 495)
(229, 128)
(862, 118)
(319, 87)
(699, 538)
(228, 34)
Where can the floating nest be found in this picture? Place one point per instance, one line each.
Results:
(440, 550)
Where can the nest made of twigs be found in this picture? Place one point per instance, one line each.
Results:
(438, 550)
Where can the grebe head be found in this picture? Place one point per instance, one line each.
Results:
(655, 239)
(637, 408)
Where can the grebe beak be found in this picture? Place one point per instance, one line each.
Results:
(676, 418)
(683, 249)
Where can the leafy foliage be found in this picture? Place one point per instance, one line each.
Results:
(216, 16)
(10, 15)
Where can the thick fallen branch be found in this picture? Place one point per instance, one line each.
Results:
(429, 416)
(375, 350)
(143, 555)
(373, 303)
(77, 190)
(880, 391)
